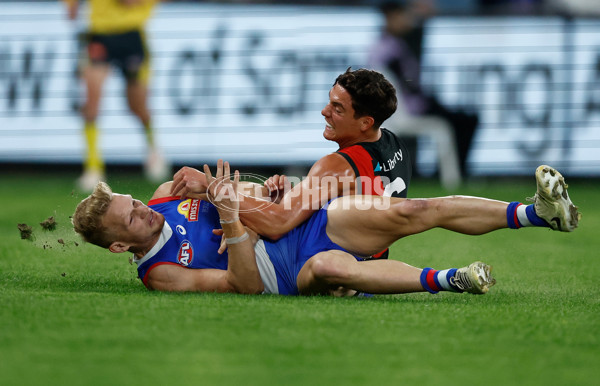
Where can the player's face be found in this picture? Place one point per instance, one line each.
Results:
(341, 126)
(132, 222)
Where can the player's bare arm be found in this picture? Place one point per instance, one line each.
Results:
(242, 274)
(175, 278)
(329, 177)
(190, 182)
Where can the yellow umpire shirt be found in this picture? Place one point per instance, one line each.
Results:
(117, 16)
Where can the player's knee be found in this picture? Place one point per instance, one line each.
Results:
(139, 110)
(411, 209)
(330, 267)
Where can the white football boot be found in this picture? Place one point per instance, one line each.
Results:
(552, 202)
(88, 180)
(157, 168)
(476, 278)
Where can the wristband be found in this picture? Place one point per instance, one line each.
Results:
(237, 240)
(229, 222)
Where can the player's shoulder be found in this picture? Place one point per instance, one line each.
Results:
(331, 164)
(164, 190)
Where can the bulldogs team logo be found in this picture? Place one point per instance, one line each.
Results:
(186, 253)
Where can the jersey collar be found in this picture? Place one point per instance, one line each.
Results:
(165, 235)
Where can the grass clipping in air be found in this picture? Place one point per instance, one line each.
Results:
(53, 233)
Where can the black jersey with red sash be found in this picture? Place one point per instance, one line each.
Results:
(382, 168)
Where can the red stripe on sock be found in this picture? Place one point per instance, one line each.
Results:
(431, 281)
(517, 223)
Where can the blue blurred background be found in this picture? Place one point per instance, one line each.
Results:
(246, 81)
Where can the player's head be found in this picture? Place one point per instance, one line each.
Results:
(116, 221)
(87, 219)
(372, 94)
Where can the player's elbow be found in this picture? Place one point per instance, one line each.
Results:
(254, 288)
(277, 228)
(272, 235)
(271, 223)
(272, 230)
(247, 282)
(165, 287)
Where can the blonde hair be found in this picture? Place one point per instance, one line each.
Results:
(87, 219)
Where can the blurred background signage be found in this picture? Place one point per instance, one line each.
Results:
(247, 83)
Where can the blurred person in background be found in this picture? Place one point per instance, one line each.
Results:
(398, 52)
(115, 37)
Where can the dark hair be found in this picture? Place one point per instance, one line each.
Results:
(372, 94)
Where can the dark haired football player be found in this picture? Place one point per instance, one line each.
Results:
(370, 159)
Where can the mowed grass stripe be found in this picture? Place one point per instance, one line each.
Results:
(78, 315)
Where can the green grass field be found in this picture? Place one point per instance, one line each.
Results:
(77, 315)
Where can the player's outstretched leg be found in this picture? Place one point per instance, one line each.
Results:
(552, 202)
(368, 224)
(338, 272)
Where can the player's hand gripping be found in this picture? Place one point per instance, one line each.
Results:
(189, 182)
(222, 191)
(276, 187)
